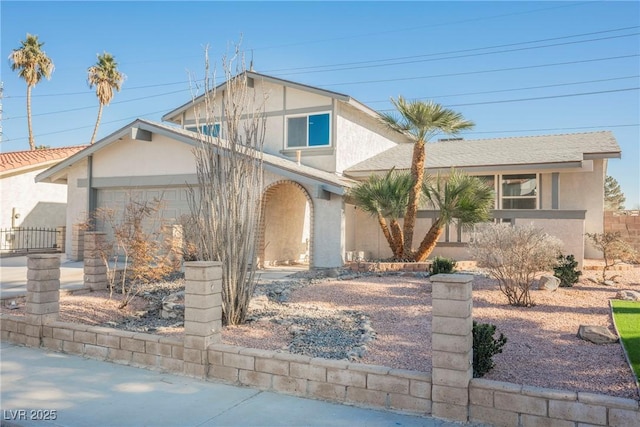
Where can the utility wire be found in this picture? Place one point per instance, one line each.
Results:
(400, 58)
(375, 60)
(511, 89)
(568, 95)
(415, 61)
(372, 102)
(429, 26)
(483, 71)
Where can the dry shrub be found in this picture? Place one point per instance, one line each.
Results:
(513, 256)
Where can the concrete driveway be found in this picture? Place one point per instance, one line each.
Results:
(13, 275)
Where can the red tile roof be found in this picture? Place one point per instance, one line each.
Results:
(20, 159)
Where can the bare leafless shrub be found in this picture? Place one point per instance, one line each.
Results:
(614, 250)
(226, 204)
(139, 250)
(513, 256)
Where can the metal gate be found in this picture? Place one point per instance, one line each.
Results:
(29, 239)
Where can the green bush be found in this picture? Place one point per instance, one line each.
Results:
(442, 265)
(566, 271)
(484, 347)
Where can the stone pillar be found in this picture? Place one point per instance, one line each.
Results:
(452, 345)
(43, 294)
(95, 272)
(61, 235)
(77, 242)
(202, 314)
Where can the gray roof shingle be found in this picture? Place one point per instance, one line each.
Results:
(498, 152)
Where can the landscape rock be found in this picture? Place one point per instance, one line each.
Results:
(173, 306)
(548, 283)
(596, 334)
(628, 295)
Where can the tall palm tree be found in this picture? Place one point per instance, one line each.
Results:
(385, 197)
(460, 198)
(421, 121)
(33, 64)
(104, 75)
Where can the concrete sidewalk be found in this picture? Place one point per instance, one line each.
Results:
(87, 392)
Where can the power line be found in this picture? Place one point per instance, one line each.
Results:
(512, 89)
(415, 61)
(568, 95)
(455, 51)
(366, 102)
(429, 26)
(94, 106)
(484, 71)
(386, 60)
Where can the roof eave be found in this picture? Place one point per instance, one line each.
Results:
(477, 168)
(603, 155)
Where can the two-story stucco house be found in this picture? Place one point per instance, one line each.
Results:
(318, 144)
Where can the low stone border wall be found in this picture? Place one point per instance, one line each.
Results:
(334, 380)
(448, 392)
(505, 404)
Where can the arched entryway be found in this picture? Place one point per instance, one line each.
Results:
(286, 225)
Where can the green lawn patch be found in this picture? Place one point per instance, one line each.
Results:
(626, 315)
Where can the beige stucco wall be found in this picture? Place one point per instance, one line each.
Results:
(329, 231)
(77, 201)
(38, 204)
(569, 231)
(585, 191)
(129, 157)
(360, 136)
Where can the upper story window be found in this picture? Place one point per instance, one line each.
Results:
(520, 191)
(210, 130)
(309, 131)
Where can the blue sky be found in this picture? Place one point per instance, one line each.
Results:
(514, 68)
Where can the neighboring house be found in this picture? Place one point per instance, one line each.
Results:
(317, 144)
(25, 203)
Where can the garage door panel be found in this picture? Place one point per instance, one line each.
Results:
(174, 201)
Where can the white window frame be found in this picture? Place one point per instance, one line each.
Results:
(535, 197)
(307, 115)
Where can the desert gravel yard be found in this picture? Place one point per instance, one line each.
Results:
(542, 349)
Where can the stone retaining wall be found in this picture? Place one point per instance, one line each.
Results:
(448, 392)
(505, 404)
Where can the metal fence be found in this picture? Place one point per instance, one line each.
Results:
(29, 239)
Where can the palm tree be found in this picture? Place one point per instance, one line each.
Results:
(104, 75)
(460, 198)
(385, 197)
(34, 64)
(420, 121)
